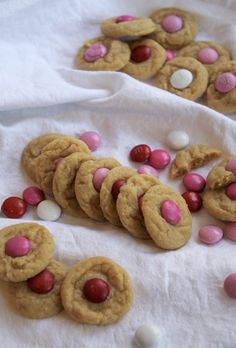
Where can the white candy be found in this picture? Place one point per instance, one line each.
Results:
(177, 140)
(181, 79)
(48, 210)
(147, 335)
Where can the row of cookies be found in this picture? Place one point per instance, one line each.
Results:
(94, 291)
(84, 186)
(201, 68)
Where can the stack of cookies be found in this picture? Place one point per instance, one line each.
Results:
(103, 189)
(162, 47)
(94, 291)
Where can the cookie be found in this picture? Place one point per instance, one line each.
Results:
(34, 149)
(47, 161)
(167, 217)
(175, 28)
(44, 304)
(64, 182)
(219, 177)
(138, 26)
(219, 205)
(25, 250)
(113, 299)
(221, 92)
(185, 77)
(210, 54)
(194, 156)
(147, 57)
(128, 204)
(107, 201)
(103, 54)
(87, 195)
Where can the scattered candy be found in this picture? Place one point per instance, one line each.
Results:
(194, 182)
(124, 18)
(207, 55)
(230, 285)
(48, 210)
(18, 246)
(14, 207)
(42, 283)
(98, 177)
(231, 165)
(181, 79)
(230, 191)
(149, 170)
(92, 139)
(95, 52)
(230, 231)
(116, 188)
(170, 55)
(170, 212)
(172, 24)
(210, 234)
(225, 82)
(177, 140)
(193, 200)
(140, 53)
(96, 290)
(33, 195)
(140, 153)
(159, 158)
(147, 335)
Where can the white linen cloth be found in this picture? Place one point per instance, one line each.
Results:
(179, 291)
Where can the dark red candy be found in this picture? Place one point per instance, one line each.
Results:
(42, 283)
(96, 290)
(140, 153)
(193, 200)
(140, 53)
(14, 207)
(116, 188)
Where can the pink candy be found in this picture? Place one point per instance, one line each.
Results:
(95, 52)
(230, 285)
(170, 55)
(207, 55)
(33, 195)
(210, 234)
(170, 212)
(231, 165)
(159, 159)
(92, 139)
(124, 18)
(149, 170)
(18, 246)
(231, 191)
(172, 24)
(230, 231)
(194, 182)
(225, 82)
(99, 176)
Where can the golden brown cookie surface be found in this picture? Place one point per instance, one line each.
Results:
(40, 306)
(219, 177)
(113, 308)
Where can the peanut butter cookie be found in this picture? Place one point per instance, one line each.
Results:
(194, 156)
(167, 217)
(147, 57)
(43, 299)
(107, 201)
(219, 176)
(185, 77)
(97, 291)
(87, 195)
(64, 182)
(128, 205)
(25, 250)
(175, 28)
(103, 54)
